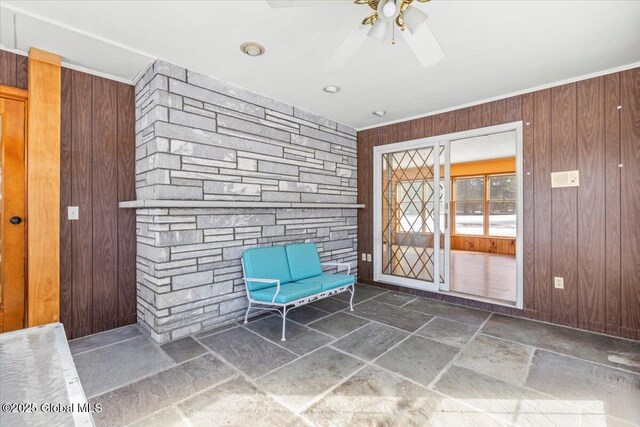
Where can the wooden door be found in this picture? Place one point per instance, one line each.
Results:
(12, 213)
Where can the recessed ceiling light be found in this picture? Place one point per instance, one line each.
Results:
(331, 89)
(252, 48)
(379, 113)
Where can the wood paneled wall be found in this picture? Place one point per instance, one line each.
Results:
(13, 70)
(98, 289)
(590, 235)
(97, 161)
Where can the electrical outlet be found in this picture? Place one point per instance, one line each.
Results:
(558, 282)
(364, 256)
(73, 213)
(368, 257)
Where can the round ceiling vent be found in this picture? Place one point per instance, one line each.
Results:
(252, 48)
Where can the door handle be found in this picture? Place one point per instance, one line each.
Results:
(15, 220)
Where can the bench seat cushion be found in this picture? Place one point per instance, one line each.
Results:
(329, 281)
(288, 292)
(304, 260)
(266, 263)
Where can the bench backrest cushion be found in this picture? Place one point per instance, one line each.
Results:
(304, 260)
(266, 263)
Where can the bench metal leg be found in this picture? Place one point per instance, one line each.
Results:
(353, 291)
(284, 322)
(246, 316)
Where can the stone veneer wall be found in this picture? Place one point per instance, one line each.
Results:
(203, 141)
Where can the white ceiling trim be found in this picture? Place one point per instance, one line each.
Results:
(24, 12)
(508, 95)
(19, 11)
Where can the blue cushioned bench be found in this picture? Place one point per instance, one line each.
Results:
(281, 278)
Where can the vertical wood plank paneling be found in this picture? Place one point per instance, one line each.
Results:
(513, 107)
(499, 112)
(480, 116)
(542, 211)
(564, 202)
(105, 204)
(22, 72)
(444, 123)
(462, 120)
(630, 202)
(416, 128)
(126, 217)
(528, 204)
(82, 194)
(612, 202)
(66, 270)
(591, 205)
(8, 68)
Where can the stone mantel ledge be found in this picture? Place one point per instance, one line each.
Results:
(146, 204)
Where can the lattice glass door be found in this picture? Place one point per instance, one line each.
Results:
(413, 216)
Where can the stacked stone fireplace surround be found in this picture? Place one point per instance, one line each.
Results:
(220, 169)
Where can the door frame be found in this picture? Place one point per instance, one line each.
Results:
(445, 140)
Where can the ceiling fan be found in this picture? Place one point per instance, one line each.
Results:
(387, 15)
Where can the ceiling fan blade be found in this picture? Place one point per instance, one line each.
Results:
(424, 45)
(348, 47)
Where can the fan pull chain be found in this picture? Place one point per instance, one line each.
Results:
(393, 34)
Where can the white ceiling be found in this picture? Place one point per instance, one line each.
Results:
(493, 48)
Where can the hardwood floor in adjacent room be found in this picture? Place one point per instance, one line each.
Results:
(485, 275)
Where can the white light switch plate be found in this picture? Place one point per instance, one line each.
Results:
(558, 282)
(364, 256)
(73, 213)
(368, 257)
(565, 179)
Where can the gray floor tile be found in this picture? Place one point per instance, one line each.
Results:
(418, 358)
(395, 298)
(500, 359)
(300, 339)
(236, 403)
(448, 331)
(449, 311)
(374, 397)
(113, 336)
(585, 345)
(136, 401)
(306, 314)
(300, 382)
(393, 316)
(183, 349)
(215, 330)
(363, 292)
(576, 380)
(113, 366)
(167, 418)
(338, 324)
(330, 305)
(247, 351)
(515, 404)
(370, 341)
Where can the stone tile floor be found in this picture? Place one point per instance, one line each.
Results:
(394, 360)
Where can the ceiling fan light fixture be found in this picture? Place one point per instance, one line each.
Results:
(414, 18)
(379, 30)
(379, 113)
(252, 48)
(331, 89)
(389, 9)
